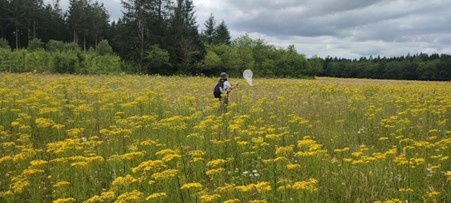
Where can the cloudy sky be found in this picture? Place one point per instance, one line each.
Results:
(342, 28)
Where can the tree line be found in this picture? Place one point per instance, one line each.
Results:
(162, 37)
(411, 67)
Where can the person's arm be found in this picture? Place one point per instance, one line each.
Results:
(233, 87)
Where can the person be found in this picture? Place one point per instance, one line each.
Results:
(226, 87)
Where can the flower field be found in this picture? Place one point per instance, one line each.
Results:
(67, 138)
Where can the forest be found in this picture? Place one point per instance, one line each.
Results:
(163, 37)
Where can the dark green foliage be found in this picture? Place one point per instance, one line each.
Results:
(144, 24)
(87, 22)
(411, 67)
(215, 34)
(222, 35)
(210, 28)
(185, 45)
(4, 44)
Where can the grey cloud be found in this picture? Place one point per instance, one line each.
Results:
(318, 17)
(345, 28)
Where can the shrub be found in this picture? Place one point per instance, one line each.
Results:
(35, 44)
(100, 64)
(104, 48)
(65, 62)
(54, 45)
(71, 47)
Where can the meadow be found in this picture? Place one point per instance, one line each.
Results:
(131, 138)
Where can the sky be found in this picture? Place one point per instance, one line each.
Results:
(341, 28)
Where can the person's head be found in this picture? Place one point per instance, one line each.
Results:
(224, 76)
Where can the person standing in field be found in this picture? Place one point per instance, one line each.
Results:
(223, 88)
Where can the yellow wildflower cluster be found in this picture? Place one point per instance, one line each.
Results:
(260, 187)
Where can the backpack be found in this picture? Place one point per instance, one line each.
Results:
(217, 89)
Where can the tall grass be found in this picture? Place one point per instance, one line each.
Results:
(66, 138)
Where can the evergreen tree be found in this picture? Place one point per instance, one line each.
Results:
(210, 29)
(136, 12)
(52, 24)
(5, 18)
(98, 21)
(186, 47)
(77, 17)
(19, 12)
(222, 34)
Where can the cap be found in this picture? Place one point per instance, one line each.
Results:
(224, 75)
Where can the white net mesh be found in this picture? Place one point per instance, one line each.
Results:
(247, 74)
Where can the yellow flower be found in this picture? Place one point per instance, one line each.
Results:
(80, 164)
(165, 152)
(268, 161)
(156, 196)
(150, 165)
(19, 185)
(308, 185)
(432, 194)
(167, 174)
(260, 187)
(123, 181)
(188, 186)
(196, 153)
(293, 166)
(273, 137)
(383, 138)
(64, 200)
(280, 159)
(209, 198)
(225, 189)
(405, 190)
(356, 154)
(284, 150)
(232, 201)
(170, 157)
(258, 201)
(257, 140)
(15, 123)
(44, 122)
(215, 163)
(133, 196)
(263, 186)
(6, 193)
(147, 143)
(242, 143)
(214, 171)
(31, 171)
(38, 163)
(61, 184)
(5, 159)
